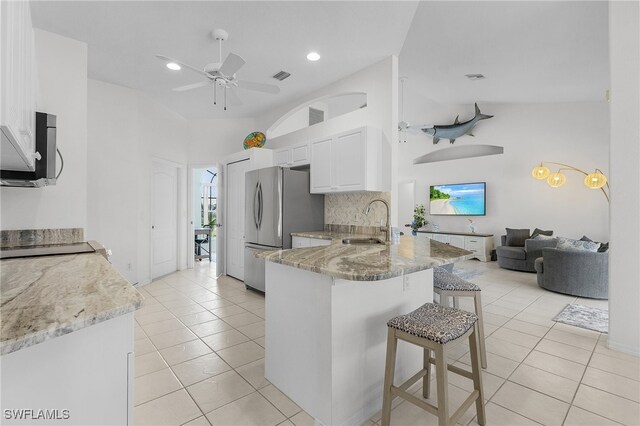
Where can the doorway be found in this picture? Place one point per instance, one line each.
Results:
(205, 217)
(164, 219)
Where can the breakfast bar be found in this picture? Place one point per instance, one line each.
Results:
(326, 315)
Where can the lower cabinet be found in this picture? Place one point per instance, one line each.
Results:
(86, 376)
(480, 245)
(300, 242)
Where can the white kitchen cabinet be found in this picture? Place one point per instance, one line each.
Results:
(88, 372)
(480, 244)
(17, 85)
(301, 242)
(351, 161)
(292, 156)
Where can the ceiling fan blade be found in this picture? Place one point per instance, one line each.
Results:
(258, 87)
(231, 65)
(189, 67)
(190, 86)
(232, 98)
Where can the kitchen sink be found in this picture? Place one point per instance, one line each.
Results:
(363, 241)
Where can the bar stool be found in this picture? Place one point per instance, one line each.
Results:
(446, 285)
(433, 327)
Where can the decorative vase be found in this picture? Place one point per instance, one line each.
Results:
(414, 232)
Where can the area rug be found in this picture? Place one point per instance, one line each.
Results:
(584, 317)
(466, 274)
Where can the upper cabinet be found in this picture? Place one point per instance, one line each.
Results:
(17, 85)
(352, 161)
(292, 156)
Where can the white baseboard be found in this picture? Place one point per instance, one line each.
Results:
(621, 347)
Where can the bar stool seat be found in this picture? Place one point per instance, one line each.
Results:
(437, 323)
(446, 284)
(433, 327)
(445, 280)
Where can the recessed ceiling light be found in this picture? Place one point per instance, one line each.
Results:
(173, 66)
(474, 76)
(313, 56)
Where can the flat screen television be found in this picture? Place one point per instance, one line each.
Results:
(458, 199)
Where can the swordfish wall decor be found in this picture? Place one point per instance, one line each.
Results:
(455, 130)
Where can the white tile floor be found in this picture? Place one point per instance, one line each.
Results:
(200, 359)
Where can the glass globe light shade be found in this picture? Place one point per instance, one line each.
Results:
(595, 180)
(556, 179)
(540, 172)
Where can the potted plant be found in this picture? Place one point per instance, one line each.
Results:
(418, 219)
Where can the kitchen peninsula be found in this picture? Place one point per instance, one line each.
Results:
(326, 314)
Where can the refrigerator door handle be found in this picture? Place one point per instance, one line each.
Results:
(261, 205)
(255, 210)
(280, 195)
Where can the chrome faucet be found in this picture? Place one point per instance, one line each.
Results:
(386, 229)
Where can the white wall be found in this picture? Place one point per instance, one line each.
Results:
(624, 260)
(573, 133)
(126, 131)
(62, 80)
(214, 139)
(379, 82)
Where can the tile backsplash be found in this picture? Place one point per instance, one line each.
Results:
(348, 209)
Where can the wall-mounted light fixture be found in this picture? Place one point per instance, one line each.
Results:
(595, 180)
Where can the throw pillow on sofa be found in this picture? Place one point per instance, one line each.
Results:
(576, 245)
(517, 237)
(537, 232)
(601, 249)
(543, 237)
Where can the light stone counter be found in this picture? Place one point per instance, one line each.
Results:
(45, 297)
(367, 262)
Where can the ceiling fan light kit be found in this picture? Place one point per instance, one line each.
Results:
(221, 73)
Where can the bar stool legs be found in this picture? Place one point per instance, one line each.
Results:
(477, 304)
(442, 369)
(389, 373)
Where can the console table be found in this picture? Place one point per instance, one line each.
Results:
(480, 244)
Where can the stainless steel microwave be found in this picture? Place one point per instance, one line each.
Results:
(45, 167)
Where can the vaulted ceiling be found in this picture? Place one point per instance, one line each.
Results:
(538, 51)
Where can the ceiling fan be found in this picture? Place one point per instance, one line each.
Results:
(222, 74)
(405, 127)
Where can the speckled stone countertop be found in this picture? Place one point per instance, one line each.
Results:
(45, 297)
(369, 262)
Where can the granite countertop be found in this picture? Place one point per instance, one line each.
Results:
(369, 262)
(45, 297)
(331, 235)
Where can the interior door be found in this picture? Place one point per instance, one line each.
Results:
(221, 215)
(235, 218)
(164, 219)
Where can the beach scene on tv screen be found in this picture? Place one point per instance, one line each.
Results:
(457, 199)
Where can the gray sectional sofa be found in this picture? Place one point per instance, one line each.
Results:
(522, 258)
(578, 273)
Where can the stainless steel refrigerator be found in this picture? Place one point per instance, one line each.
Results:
(277, 203)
